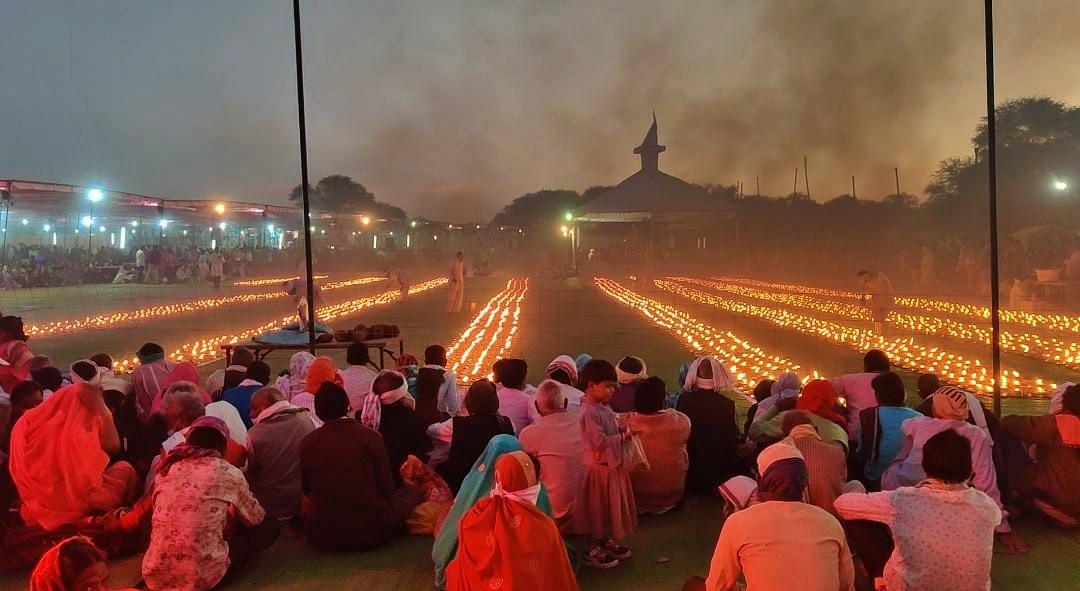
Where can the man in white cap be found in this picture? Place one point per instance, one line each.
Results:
(780, 542)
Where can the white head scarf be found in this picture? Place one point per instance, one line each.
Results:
(228, 413)
(77, 379)
(627, 377)
(721, 380)
(371, 414)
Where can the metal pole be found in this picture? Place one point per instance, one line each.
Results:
(805, 177)
(7, 216)
(853, 187)
(298, 42)
(90, 240)
(896, 171)
(991, 128)
(757, 180)
(795, 187)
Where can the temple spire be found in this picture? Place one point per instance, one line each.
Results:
(650, 148)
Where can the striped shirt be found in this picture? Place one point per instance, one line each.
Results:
(147, 380)
(826, 464)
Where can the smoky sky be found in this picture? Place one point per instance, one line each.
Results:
(450, 109)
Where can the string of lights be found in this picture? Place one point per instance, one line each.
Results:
(112, 320)
(747, 362)
(272, 280)
(207, 349)
(1041, 320)
(490, 335)
(903, 351)
(1049, 349)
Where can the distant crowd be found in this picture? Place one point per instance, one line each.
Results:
(827, 484)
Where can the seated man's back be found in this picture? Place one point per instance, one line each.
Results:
(348, 482)
(781, 545)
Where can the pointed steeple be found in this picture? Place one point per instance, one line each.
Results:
(650, 148)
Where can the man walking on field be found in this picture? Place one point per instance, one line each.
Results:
(877, 295)
(457, 283)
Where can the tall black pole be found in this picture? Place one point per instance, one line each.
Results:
(991, 136)
(805, 177)
(853, 194)
(896, 171)
(304, 174)
(757, 180)
(795, 187)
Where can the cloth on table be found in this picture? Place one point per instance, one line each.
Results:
(291, 334)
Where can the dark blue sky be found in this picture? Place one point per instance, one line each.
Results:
(452, 108)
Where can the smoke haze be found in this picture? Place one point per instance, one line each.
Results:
(451, 109)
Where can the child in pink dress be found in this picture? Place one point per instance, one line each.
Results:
(605, 509)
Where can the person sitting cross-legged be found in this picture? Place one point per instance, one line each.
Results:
(881, 434)
(780, 542)
(505, 542)
(951, 412)
(274, 452)
(663, 433)
(391, 411)
(206, 522)
(350, 501)
(257, 376)
(555, 439)
(471, 434)
(938, 534)
(826, 462)
(1053, 482)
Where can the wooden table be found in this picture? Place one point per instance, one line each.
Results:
(384, 346)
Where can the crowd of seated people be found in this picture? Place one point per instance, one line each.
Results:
(518, 485)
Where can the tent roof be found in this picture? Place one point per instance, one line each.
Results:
(650, 194)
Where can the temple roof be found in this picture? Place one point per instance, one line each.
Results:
(649, 193)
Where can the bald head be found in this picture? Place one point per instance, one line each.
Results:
(264, 398)
(550, 398)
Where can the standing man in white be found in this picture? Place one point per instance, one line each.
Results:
(457, 284)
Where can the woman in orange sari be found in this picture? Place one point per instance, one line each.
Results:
(505, 542)
(60, 460)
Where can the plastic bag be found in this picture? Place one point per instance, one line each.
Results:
(634, 457)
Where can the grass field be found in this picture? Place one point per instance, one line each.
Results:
(568, 317)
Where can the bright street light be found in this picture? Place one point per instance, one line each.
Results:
(222, 225)
(220, 208)
(270, 227)
(365, 220)
(47, 227)
(25, 221)
(1061, 185)
(95, 195)
(87, 221)
(568, 216)
(163, 223)
(134, 223)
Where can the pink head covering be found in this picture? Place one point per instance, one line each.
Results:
(565, 363)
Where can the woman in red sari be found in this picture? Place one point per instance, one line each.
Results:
(505, 542)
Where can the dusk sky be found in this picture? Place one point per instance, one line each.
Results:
(450, 109)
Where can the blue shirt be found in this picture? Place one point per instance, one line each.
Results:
(240, 397)
(890, 439)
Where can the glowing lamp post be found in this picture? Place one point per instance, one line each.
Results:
(1061, 185)
(94, 195)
